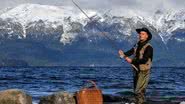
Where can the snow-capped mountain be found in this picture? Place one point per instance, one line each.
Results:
(59, 30)
(28, 15)
(5, 10)
(168, 22)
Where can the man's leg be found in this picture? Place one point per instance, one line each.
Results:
(142, 82)
(135, 78)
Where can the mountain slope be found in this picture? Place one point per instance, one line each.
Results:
(43, 32)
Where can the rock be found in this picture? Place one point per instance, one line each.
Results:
(112, 98)
(118, 99)
(115, 99)
(182, 102)
(58, 98)
(14, 96)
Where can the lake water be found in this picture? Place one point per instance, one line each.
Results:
(42, 81)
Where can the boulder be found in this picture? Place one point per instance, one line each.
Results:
(14, 96)
(58, 98)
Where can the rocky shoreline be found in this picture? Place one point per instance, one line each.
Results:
(16, 96)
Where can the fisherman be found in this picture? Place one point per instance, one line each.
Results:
(143, 54)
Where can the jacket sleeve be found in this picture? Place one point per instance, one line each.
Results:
(129, 52)
(147, 54)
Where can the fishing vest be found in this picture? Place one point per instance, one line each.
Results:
(148, 64)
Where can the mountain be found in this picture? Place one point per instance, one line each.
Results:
(45, 35)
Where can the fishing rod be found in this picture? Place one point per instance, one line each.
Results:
(103, 33)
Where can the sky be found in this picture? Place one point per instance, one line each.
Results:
(116, 6)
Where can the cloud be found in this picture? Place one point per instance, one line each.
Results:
(145, 6)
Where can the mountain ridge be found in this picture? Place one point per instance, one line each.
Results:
(60, 30)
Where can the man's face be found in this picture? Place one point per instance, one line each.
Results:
(143, 36)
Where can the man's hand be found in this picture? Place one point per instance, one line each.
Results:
(129, 60)
(121, 54)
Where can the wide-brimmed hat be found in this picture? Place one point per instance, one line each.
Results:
(145, 30)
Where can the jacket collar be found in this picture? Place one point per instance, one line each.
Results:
(141, 44)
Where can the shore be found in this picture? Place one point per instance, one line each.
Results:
(111, 99)
(16, 96)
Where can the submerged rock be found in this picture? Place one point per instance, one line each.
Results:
(14, 96)
(58, 98)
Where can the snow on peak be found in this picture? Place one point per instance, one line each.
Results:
(33, 12)
(168, 21)
(25, 13)
(51, 15)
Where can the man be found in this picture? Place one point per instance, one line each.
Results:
(143, 54)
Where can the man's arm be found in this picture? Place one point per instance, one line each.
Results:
(129, 52)
(126, 54)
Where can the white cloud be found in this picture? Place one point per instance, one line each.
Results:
(139, 6)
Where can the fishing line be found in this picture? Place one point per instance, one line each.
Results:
(103, 33)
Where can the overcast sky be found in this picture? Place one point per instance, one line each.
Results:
(145, 6)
